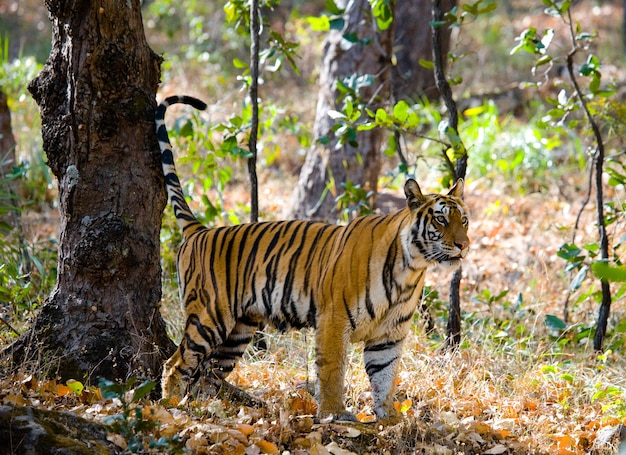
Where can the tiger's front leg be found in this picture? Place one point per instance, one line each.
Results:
(331, 341)
(381, 364)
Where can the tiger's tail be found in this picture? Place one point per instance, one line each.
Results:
(184, 216)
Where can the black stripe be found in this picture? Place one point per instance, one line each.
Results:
(382, 346)
(373, 368)
(369, 305)
(205, 332)
(193, 346)
(404, 318)
(350, 316)
(235, 342)
(291, 271)
(314, 258)
(388, 279)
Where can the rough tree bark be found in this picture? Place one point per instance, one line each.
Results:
(313, 198)
(96, 95)
(413, 42)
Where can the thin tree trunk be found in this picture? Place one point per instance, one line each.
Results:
(96, 94)
(255, 27)
(453, 336)
(330, 164)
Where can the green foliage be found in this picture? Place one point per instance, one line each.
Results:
(354, 201)
(382, 12)
(131, 423)
(592, 100)
(15, 74)
(27, 271)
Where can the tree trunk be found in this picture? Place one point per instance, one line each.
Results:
(413, 42)
(329, 165)
(96, 94)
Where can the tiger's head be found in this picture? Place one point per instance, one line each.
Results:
(438, 230)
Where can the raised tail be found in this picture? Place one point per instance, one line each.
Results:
(184, 216)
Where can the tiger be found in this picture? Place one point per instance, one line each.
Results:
(355, 283)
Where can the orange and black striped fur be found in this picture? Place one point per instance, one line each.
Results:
(355, 283)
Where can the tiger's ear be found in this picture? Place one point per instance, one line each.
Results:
(457, 189)
(414, 196)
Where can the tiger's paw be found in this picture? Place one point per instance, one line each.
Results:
(387, 414)
(233, 393)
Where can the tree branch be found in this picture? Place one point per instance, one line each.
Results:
(605, 306)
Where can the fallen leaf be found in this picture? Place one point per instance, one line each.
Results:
(334, 449)
(565, 441)
(62, 390)
(197, 441)
(319, 449)
(403, 407)
(267, 447)
(246, 429)
(480, 428)
(351, 433)
(14, 399)
(496, 450)
(118, 440)
(365, 418)
(238, 435)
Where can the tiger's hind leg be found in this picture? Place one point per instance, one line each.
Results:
(184, 368)
(224, 358)
(181, 370)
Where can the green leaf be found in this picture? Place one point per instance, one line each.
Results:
(351, 37)
(332, 8)
(594, 85)
(578, 279)
(401, 110)
(110, 389)
(336, 24)
(239, 63)
(608, 272)
(381, 115)
(75, 386)
(428, 64)
(545, 59)
(143, 390)
(554, 322)
(545, 369)
(319, 24)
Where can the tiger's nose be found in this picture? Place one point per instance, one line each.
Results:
(462, 245)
